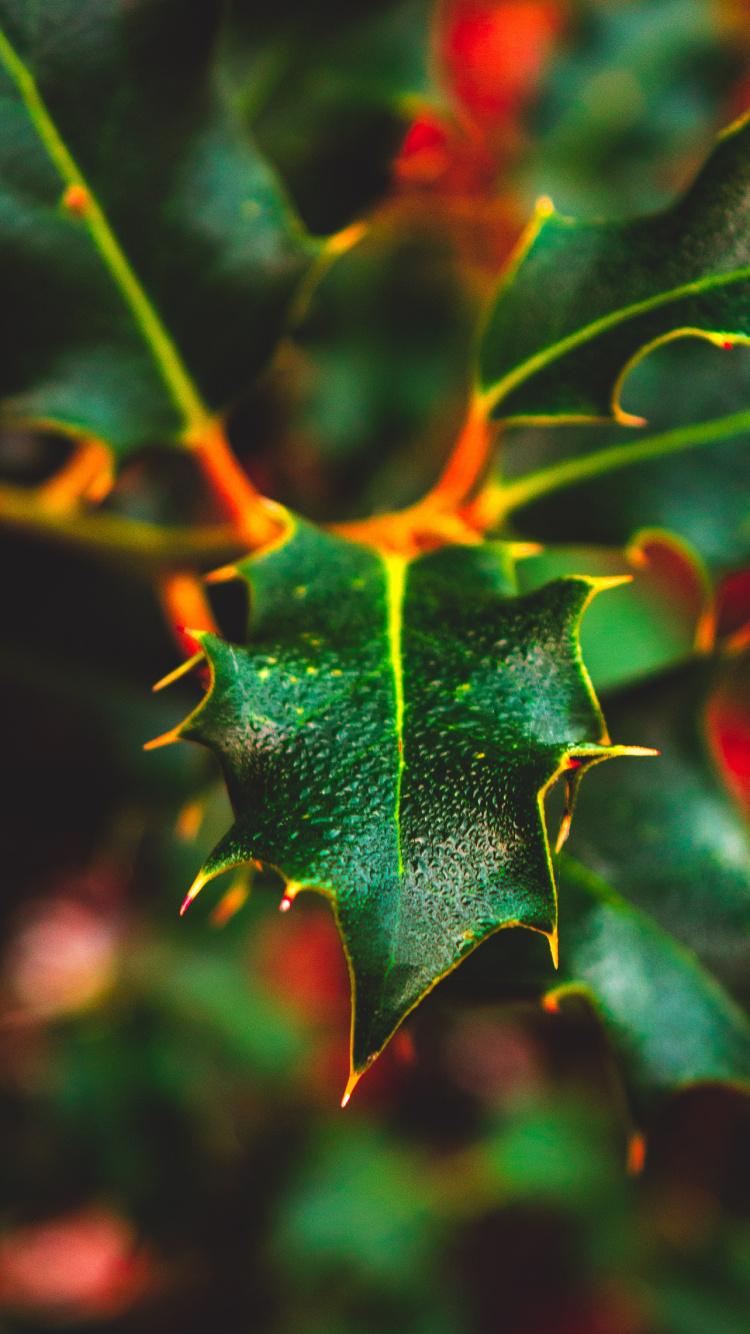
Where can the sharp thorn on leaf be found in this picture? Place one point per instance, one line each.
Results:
(183, 668)
(165, 739)
(193, 892)
(353, 1080)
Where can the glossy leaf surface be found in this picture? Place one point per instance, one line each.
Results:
(587, 297)
(156, 289)
(385, 738)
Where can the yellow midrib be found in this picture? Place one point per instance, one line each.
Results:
(395, 584)
(178, 383)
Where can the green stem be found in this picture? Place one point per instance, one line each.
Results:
(121, 539)
(513, 495)
(183, 392)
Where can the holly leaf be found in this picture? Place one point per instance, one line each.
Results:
(670, 1020)
(668, 838)
(386, 736)
(147, 254)
(586, 300)
(672, 1023)
(654, 893)
(699, 493)
(660, 616)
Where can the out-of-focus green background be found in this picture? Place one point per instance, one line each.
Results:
(172, 1153)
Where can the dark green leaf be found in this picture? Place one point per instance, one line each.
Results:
(587, 298)
(666, 835)
(134, 319)
(385, 738)
(700, 493)
(672, 1023)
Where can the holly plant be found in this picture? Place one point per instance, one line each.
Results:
(412, 701)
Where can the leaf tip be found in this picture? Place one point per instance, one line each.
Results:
(230, 903)
(554, 947)
(222, 575)
(352, 1082)
(194, 891)
(182, 670)
(76, 200)
(599, 583)
(165, 739)
(564, 831)
(289, 895)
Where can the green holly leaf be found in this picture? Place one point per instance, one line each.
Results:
(586, 300)
(700, 493)
(654, 894)
(669, 838)
(659, 617)
(629, 101)
(386, 737)
(672, 1023)
(147, 254)
(670, 1020)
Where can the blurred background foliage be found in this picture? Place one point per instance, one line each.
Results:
(172, 1154)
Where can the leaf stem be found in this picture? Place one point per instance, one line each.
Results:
(111, 535)
(87, 475)
(435, 520)
(202, 433)
(82, 202)
(501, 498)
(466, 461)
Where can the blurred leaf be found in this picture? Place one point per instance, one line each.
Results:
(554, 1154)
(168, 284)
(385, 738)
(382, 358)
(666, 835)
(365, 1203)
(702, 494)
(586, 299)
(327, 89)
(630, 100)
(671, 1022)
(208, 989)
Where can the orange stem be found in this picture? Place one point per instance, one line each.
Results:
(467, 460)
(186, 608)
(437, 520)
(87, 475)
(256, 518)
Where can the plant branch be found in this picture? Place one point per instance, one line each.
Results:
(87, 475)
(80, 201)
(435, 520)
(186, 608)
(110, 535)
(258, 521)
(499, 499)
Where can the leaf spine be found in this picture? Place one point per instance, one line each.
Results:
(395, 575)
